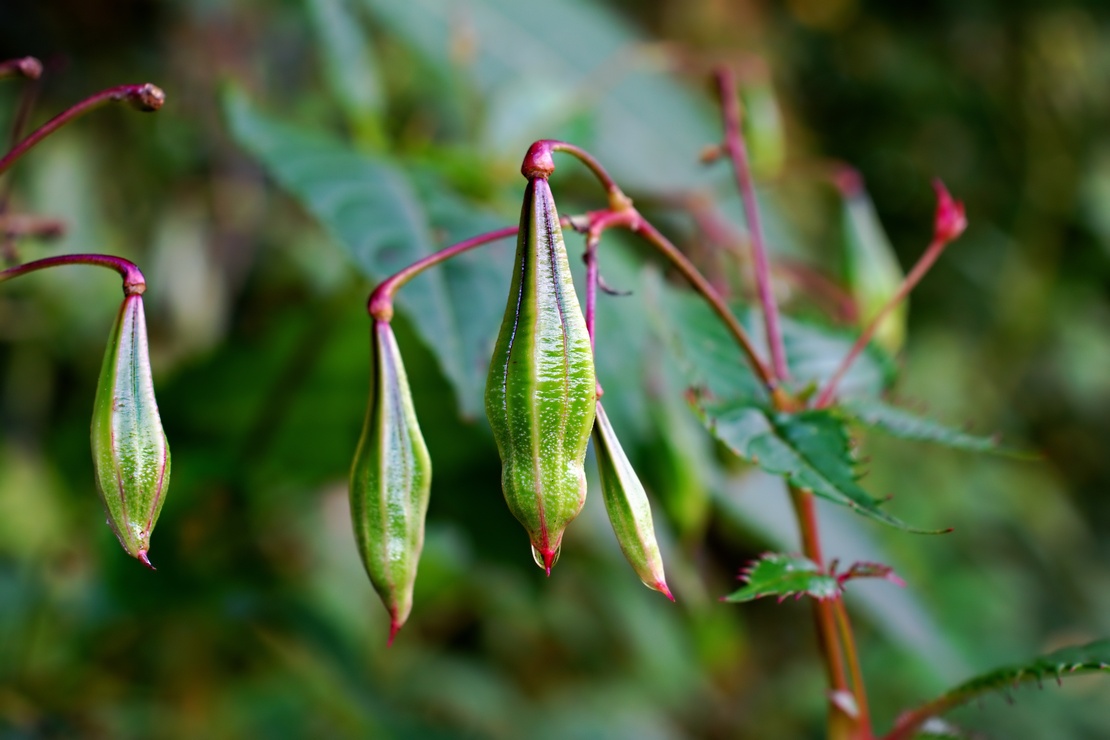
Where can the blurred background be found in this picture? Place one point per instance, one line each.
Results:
(310, 147)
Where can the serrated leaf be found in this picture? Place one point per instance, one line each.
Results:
(1069, 661)
(385, 221)
(904, 424)
(776, 574)
(810, 449)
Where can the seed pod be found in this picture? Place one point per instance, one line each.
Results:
(541, 393)
(627, 504)
(130, 453)
(391, 479)
(873, 271)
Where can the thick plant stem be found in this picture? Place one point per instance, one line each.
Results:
(738, 152)
(841, 724)
(144, 97)
(133, 281)
(380, 305)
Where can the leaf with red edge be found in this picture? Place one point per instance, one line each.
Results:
(776, 574)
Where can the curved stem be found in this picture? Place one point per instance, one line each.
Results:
(538, 161)
(145, 97)
(133, 281)
(380, 304)
(738, 153)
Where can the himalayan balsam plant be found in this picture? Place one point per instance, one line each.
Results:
(543, 403)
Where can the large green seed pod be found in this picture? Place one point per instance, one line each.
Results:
(627, 504)
(541, 391)
(130, 452)
(391, 479)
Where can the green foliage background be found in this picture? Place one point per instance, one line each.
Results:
(260, 620)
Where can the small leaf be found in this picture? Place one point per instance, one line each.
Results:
(906, 425)
(810, 449)
(869, 570)
(1069, 661)
(776, 574)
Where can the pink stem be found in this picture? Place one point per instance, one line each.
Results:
(738, 153)
(145, 97)
(133, 281)
(380, 305)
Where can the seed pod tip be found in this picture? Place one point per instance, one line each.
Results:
(145, 560)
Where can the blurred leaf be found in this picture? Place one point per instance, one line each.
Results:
(905, 425)
(374, 210)
(349, 65)
(1059, 664)
(810, 449)
(873, 270)
(710, 359)
(649, 128)
(776, 574)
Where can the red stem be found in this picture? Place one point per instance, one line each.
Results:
(738, 153)
(538, 162)
(144, 97)
(932, 252)
(133, 281)
(380, 305)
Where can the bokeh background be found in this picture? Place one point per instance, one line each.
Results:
(260, 621)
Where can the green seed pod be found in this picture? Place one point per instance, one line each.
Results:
(130, 452)
(627, 504)
(391, 479)
(873, 271)
(541, 390)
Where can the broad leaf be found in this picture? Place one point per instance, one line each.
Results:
(348, 60)
(810, 449)
(872, 269)
(1069, 661)
(385, 221)
(907, 425)
(775, 574)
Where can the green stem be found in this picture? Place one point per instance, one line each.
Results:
(133, 281)
(380, 305)
(145, 97)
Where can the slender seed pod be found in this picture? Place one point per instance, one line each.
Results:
(130, 453)
(627, 504)
(391, 479)
(541, 391)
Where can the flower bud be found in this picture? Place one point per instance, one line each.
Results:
(130, 453)
(627, 505)
(541, 390)
(391, 480)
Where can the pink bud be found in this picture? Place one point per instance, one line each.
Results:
(950, 220)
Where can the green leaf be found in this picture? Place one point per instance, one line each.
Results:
(711, 361)
(775, 574)
(385, 221)
(584, 49)
(873, 272)
(810, 449)
(348, 60)
(1069, 661)
(905, 425)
